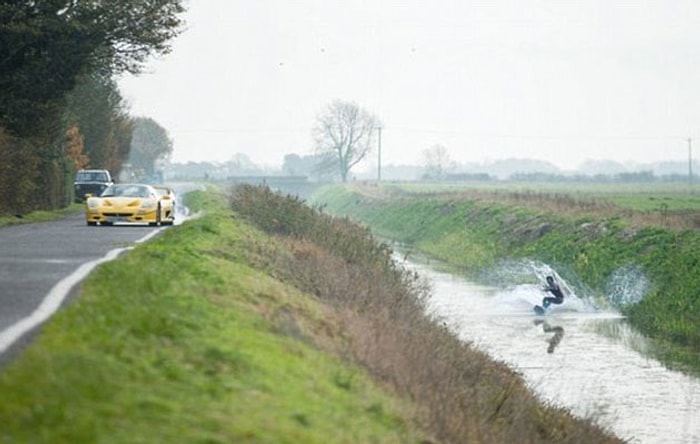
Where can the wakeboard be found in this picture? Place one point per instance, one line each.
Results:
(539, 310)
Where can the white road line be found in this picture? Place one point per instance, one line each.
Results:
(53, 300)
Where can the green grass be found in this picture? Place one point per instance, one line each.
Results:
(658, 201)
(38, 216)
(182, 341)
(636, 197)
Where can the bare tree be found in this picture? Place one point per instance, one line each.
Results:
(437, 162)
(344, 135)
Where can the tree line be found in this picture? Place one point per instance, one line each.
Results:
(60, 108)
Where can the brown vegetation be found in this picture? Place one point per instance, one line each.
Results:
(75, 148)
(19, 176)
(567, 204)
(31, 177)
(561, 203)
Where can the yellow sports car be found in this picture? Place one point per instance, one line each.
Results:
(132, 203)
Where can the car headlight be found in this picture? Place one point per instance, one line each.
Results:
(92, 203)
(148, 204)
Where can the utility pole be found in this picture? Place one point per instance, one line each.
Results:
(690, 161)
(379, 154)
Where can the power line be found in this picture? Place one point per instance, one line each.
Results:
(463, 133)
(537, 136)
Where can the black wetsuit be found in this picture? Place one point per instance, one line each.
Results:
(556, 291)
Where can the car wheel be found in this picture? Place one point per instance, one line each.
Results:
(157, 222)
(91, 224)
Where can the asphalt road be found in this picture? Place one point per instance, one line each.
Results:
(40, 263)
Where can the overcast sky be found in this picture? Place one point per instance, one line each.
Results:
(557, 80)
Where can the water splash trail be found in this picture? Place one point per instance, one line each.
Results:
(584, 358)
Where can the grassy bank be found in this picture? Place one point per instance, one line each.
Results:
(182, 341)
(270, 323)
(590, 241)
(38, 216)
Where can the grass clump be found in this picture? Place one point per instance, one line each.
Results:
(38, 216)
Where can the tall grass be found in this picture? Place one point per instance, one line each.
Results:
(462, 396)
(670, 205)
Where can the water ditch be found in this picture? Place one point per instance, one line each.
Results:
(587, 360)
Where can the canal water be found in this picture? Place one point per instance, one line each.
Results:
(587, 360)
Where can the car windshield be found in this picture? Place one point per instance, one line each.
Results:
(91, 176)
(126, 191)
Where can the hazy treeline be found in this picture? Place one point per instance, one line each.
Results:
(516, 170)
(60, 108)
(633, 177)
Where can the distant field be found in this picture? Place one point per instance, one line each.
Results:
(638, 197)
(671, 205)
